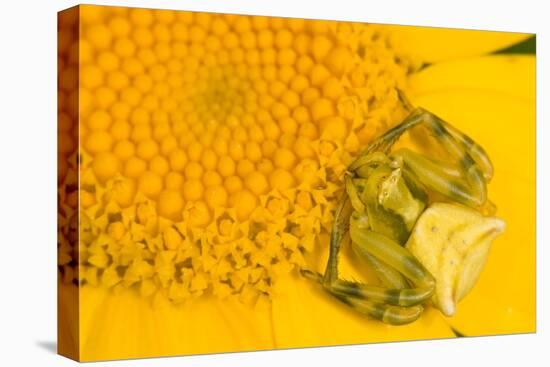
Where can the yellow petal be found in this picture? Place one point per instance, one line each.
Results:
(427, 44)
(68, 317)
(304, 315)
(503, 300)
(511, 75)
(117, 325)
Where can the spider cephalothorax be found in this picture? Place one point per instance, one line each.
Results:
(402, 210)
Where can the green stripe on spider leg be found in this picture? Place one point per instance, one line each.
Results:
(473, 172)
(473, 149)
(473, 195)
(459, 144)
(466, 162)
(415, 186)
(398, 297)
(393, 315)
(475, 178)
(439, 128)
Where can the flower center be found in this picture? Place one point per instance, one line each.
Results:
(213, 145)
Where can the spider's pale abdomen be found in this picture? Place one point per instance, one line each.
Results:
(452, 241)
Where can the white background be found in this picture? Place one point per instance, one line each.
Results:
(28, 182)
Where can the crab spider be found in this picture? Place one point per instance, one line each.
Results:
(385, 195)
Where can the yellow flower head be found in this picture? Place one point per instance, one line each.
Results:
(202, 156)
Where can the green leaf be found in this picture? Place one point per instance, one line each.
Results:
(528, 46)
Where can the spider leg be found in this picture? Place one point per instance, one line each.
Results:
(390, 314)
(408, 282)
(339, 230)
(368, 243)
(468, 187)
(464, 181)
(469, 146)
(456, 142)
(390, 277)
(386, 141)
(397, 305)
(394, 315)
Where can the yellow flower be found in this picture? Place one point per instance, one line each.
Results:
(211, 154)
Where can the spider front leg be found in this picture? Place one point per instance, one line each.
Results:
(455, 142)
(464, 181)
(394, 315)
